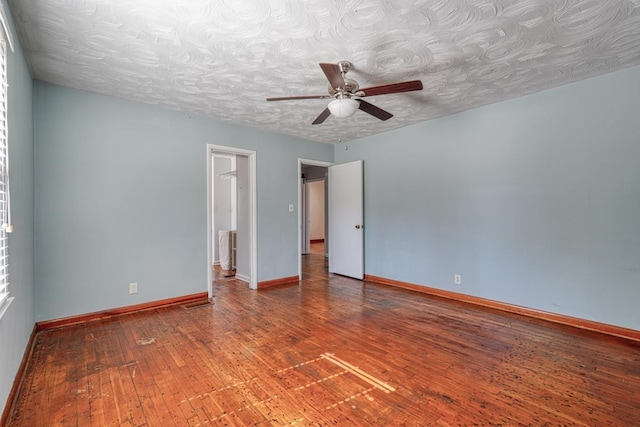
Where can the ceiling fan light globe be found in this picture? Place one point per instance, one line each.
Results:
(345, 107)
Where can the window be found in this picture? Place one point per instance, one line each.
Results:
(5, 217)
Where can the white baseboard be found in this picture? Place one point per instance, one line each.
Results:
(242, 277)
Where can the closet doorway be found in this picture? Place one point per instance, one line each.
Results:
(231, 219)
(225, 213)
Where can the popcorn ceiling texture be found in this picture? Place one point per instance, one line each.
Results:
(221, 59)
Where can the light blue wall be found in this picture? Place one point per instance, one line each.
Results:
(18, 321)
(534, 201)
(121, 197)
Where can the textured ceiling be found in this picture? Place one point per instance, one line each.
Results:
(222, 58)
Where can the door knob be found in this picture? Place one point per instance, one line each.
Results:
(358, 226)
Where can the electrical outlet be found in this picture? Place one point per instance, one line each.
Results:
(133, 288)
(457, 279)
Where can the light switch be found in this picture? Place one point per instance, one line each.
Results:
(291, 207)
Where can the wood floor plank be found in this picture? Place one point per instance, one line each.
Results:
(260, 359)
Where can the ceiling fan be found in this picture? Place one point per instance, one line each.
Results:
(346, 94)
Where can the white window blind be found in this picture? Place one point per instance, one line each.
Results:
(4, 179)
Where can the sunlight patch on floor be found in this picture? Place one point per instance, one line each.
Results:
(326, 380)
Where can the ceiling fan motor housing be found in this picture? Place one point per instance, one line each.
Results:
(350, 87)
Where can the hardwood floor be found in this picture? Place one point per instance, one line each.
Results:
(328, 351)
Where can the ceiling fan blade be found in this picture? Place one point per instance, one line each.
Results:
(322, 117)
(288, 98)
(391, 88)
(334, 75)
(374, 111)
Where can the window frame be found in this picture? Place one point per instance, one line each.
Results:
(5, 205)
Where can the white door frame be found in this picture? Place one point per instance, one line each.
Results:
(253, 216)
(308, 162)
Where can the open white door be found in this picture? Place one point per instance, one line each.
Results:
(305, 244)
(346, 234)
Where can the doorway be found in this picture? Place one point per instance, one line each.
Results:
(231, 213)
(313, 218)
(315, 213)
(225, 213)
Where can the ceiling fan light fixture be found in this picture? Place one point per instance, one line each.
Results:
(343, 107)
